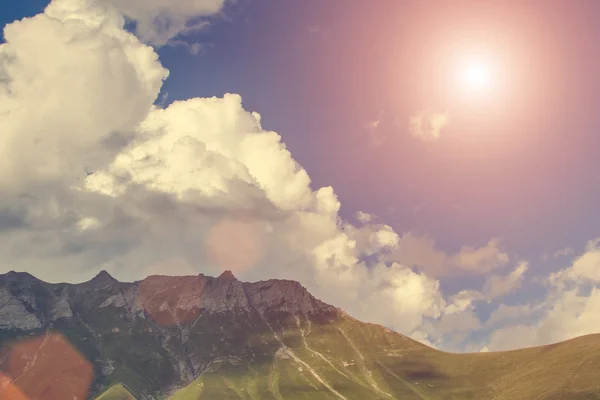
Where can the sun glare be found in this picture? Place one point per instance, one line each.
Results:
(476, 75)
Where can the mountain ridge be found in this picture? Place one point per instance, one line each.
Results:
(200, 337)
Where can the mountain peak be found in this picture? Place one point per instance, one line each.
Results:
(227, 276)
(103, 276)
(13, 275)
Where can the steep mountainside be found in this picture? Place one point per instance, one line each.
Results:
(198, 337)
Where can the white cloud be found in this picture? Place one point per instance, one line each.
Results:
(421, 252)
(568, 309)
(364, 217)
(585, 268)
(194, 48)
(482, 259)
(567, 251)
(72, 77)
(428, 126)
(462, 301)
(572, 314)
(455, 323)
(564, 315)
(87, 223)
(373, 128)
(209, 149)
(497, 285)
(159, 21)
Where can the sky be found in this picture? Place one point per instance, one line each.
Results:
(342, 144)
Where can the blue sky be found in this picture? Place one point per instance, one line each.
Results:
(512, 176)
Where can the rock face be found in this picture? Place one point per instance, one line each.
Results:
(164, 331)
(16, 313)
(61, 306)
(281, 296)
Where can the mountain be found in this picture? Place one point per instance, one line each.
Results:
(199, 337)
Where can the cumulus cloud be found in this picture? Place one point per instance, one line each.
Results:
(482, 259)
(455, 323)
(209, 149)
(568, 309)
(420, 251)
(98, 176)
(585, 268)
(427, 126)
(498, 285)
(159, 21)
(572, 314)
(565, 315)
(72, 78)
(462, 301)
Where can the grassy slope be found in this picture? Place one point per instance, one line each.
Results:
(567, 370)
(353, 360)
(116, 392)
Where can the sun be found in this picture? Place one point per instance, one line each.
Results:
(476, 75)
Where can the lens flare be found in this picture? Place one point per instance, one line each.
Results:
(10, 391)
(171, 300)
(235, 244)
(46, 367)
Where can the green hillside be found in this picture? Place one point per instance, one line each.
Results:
(116, 392)
(353, 360)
